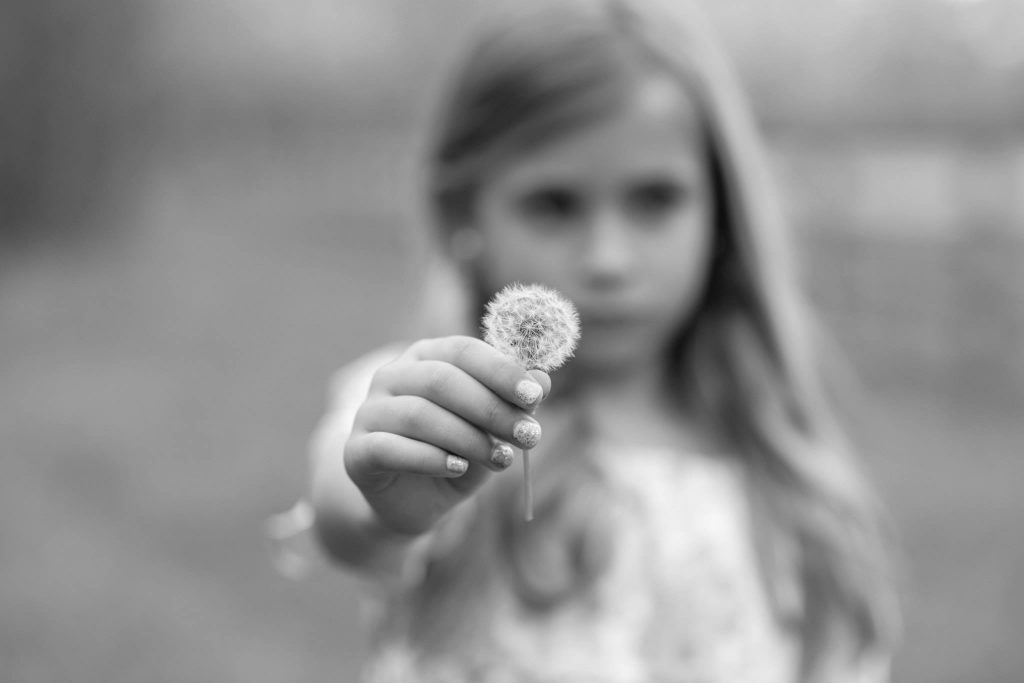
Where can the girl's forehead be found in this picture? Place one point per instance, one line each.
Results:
(658, 128)
(663, 100)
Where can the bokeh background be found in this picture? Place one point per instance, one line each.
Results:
(205, 208)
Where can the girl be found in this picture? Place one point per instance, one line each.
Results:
(698, 516)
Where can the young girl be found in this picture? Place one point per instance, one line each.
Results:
(698, 516)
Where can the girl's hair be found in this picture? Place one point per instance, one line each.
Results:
(748, 356)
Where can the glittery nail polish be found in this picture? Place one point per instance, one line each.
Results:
(529, 392)
(502, 455)
(526, 433)
(456, 465)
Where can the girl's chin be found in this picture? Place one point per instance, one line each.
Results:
(614, 353)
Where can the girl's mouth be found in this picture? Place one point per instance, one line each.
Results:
(612, 318)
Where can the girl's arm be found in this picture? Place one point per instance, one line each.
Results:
(410, 435)
(347, 528)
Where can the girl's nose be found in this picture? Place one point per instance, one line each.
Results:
(608, 252)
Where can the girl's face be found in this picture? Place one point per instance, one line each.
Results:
(618, 217)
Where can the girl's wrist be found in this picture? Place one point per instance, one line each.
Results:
(362, 541)
(392, 556)
(373, 525)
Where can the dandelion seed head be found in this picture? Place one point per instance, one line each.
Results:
(535, 326)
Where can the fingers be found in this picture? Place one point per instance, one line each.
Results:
(419, 419)
(445, 409)
(543, 379)
(488, 366)
(451, 388)
(376, 453)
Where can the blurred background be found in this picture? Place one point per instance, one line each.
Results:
(206, 207)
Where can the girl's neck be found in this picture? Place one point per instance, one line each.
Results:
(644, 384)
(639, 404)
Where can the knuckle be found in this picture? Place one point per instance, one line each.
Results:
(367, 458)
(438, 379)
(388, 376)
(369, 413)
(494, 412)
(373, 444)
(358, 452)
(384, 374)
(415, 350)
(461, 348)
(414, 416)
(362, 415)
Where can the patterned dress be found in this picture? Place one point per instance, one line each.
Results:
(679, 600)
(680, 597)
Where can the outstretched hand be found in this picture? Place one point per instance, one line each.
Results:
(437, 422)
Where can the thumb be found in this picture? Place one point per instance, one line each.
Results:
(543, 379)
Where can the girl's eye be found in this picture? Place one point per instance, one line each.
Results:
(654, 199)
(551, 205)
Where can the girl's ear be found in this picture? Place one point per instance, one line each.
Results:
(465, 244)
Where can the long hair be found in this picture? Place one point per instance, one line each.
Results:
(749, 357)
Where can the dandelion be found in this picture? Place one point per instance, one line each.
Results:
(535, 326)
(538, 328)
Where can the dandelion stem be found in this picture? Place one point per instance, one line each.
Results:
(537, 328)
(527, 488)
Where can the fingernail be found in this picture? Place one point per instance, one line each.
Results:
(456, 465)
(502, 455)
(528, 391)
(526, 433)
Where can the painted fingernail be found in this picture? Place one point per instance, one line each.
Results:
(502, 455)
(456, 465)
(526, 433)
(528, 391)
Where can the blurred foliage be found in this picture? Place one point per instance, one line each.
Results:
(90, 89)
(247, 168)
(67, 81)
(897, 127)
(916, 66)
